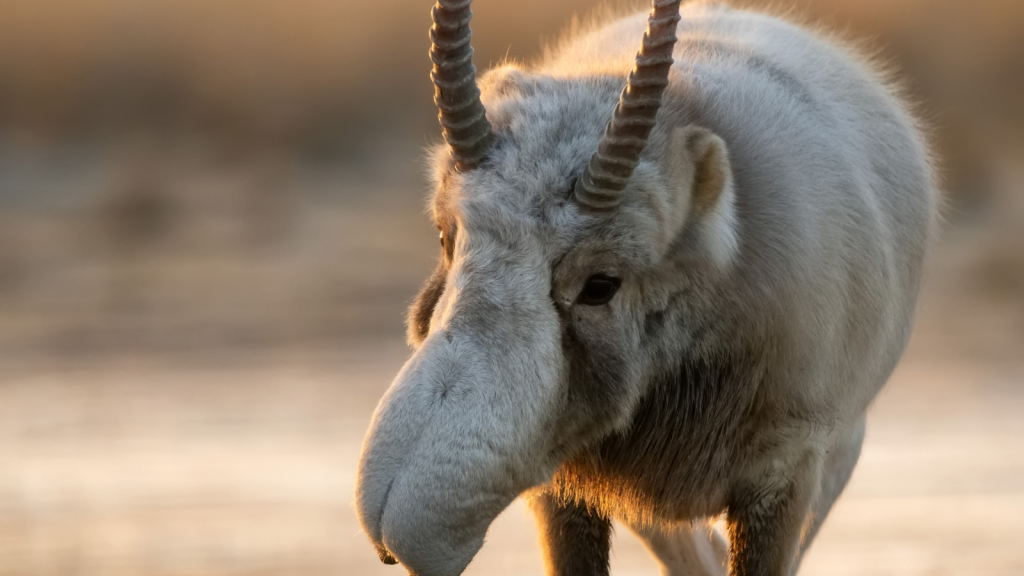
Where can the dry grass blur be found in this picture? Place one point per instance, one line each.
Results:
(211, 222)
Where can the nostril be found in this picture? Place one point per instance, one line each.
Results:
(386, 556)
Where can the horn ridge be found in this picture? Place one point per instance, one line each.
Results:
(461, 114)
(599, 189)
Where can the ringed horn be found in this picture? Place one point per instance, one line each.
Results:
(599, 188)
(469, 135)
(456, 94)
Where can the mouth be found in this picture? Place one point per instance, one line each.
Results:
(430, 521)
(382, 552)
(384, 555)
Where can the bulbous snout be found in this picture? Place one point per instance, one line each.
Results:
(462, 431)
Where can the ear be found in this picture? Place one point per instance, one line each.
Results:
(701, 184)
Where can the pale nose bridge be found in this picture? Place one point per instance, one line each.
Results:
(499, 312)
(496, 285)
(480, 310)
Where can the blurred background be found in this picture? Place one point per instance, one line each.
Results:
(212, 220)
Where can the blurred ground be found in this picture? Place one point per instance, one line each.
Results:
(154, 468)
(211, 221)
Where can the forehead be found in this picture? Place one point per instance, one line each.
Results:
(546, 130)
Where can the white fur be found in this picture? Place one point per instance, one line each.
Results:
(769, 245)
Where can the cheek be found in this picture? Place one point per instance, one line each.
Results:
(601, 380)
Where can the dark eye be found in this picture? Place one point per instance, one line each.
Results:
(441, 235)
(598, 290)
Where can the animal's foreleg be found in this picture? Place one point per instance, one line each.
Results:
(576, 541)
(839, 464)
(767, 514)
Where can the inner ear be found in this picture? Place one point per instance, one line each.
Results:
(701, 186)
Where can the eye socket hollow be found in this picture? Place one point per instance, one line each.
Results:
(599, 289)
